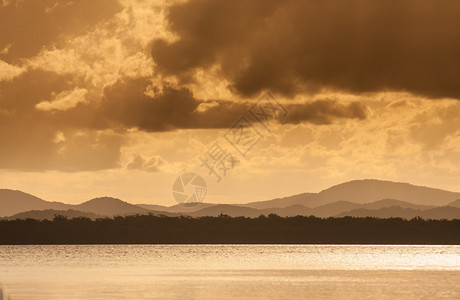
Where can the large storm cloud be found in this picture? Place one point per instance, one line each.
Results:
(294, 46)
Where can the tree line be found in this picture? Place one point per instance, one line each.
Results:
(271, 229)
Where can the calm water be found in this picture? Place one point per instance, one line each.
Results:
(230, 272)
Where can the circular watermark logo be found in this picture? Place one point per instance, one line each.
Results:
(189, 189)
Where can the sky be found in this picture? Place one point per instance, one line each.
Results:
(120, 97)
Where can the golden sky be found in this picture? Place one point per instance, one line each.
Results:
(118, 98)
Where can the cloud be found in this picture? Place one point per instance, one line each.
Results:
(126, 105)
(308, 46)
(59, 59)
(325, 112)
(39, 148)
(65, 140)
(140, 163)
(24, 91)
(28, 26)
(64, 100)
(8, 72)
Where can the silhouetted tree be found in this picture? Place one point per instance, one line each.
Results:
(149, 229)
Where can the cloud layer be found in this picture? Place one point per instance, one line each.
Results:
(126, 104)
(85, 85)
(294, 46)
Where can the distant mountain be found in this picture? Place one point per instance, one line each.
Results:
(381, 208)
(392, 202)
(335, 208)
(359, 197)
(370, 190)
(365, 191)
(445, 212)
(456, 203)
(153, 207)
(13, 202)
(249, 210)
(48, 214)
(338, 207)
(210, 209)
(108, 206)
(302, 199)
(241, 211)
(192, 207)
(332, 209)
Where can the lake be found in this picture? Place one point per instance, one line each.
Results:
(230, 271)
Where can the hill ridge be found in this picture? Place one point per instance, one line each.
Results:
(356, 194)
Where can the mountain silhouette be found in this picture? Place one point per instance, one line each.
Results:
(444, 212)
(371, 190)
(191, 207)
(110, 207)
(354, 198)
(302, 199)
(153, 207)
(13, 202)
(365, 191)
(334, 208)
(338, 207)
(456, 203)
(393, 202)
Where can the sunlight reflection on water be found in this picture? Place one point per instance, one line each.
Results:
(229, 271)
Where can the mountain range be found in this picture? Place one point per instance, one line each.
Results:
(359, 198)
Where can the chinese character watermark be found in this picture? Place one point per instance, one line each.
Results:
(218, 161)
(267, 109)
(242, 135)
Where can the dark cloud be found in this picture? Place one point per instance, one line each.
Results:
(28, 26)
(89, 136)
(21, 94)
(126, 105)
(296, 46)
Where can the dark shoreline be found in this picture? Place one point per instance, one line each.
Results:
(149, 229)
